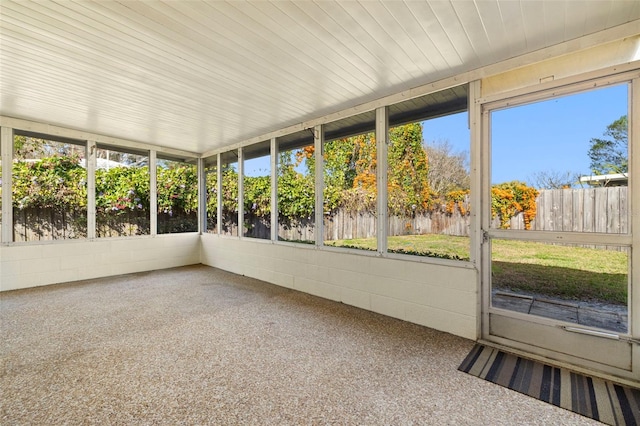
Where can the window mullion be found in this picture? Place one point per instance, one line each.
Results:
(318, 137)
(274, 189)
(153, 193)
(91, 189)
(240, 193)
(6, 139)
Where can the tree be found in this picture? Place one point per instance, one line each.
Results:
(609, 154)
(553, 179)
(350, 173)
(407, 176)
(28, 148)
(448, 170)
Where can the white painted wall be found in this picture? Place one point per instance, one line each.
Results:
(437, 296)
(36, 264)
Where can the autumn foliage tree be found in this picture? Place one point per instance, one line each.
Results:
(350, 173)
(408, 168)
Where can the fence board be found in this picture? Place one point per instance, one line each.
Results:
(613, 210)
(567, 210)
(600, 211)
(624, 209)
(577, 199)
(589, 218)
(556, 209)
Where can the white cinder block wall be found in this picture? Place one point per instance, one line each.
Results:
(36, 264)
(437, 296)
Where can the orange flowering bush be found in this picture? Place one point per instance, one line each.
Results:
(457, 199)
(510, 198)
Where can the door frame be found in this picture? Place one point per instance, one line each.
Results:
(631, 239)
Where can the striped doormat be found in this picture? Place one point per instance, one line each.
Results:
(598, 399)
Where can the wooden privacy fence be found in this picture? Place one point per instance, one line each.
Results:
(56, 224)
(341, 225)
(577, 210)
(602, 210)
(48, 224)
(582, 210)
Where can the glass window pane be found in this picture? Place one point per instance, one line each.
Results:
(257, 191)
(177, 196)
(211, 176)
(229, 193)
(585, 285)
(561, 164)
(49, 190)
(350, 184)
(122, 193)
(296, 188)
(428, 188)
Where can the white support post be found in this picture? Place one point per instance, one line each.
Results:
(240, 193)
(219, 194)
(202, 197)
(274, 189)
(382, 140)
(91, 189)
(153, 193)
(634, 192)
(318, 142)
(475, 131)
(476, 197)
(6, 139)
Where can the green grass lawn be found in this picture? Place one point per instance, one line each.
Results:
(573, 273)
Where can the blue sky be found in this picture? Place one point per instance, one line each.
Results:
(552, 135)
(547, 136)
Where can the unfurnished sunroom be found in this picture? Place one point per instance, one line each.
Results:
(434, 162)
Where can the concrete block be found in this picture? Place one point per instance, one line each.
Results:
(317, 288)
(287, 266)
(74, 248)
(450, 300)
(9, 268)
(388, 306)
(115, 257)
(80, 262)
(179, 240)
(438, 275)
(389, 268)
(283, 280)
(347, 279)
(344, 261)
(359, 299)
(27, 251)
(439, 319)
(389, 287)
(34, 266)
(314, 272)
(23, 281)
(95, 270)
(57, 277)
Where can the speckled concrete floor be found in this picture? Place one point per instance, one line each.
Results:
(197, 346)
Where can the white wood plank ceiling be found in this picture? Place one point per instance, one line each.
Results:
(200, 75)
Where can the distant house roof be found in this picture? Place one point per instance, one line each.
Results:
(615, 179)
